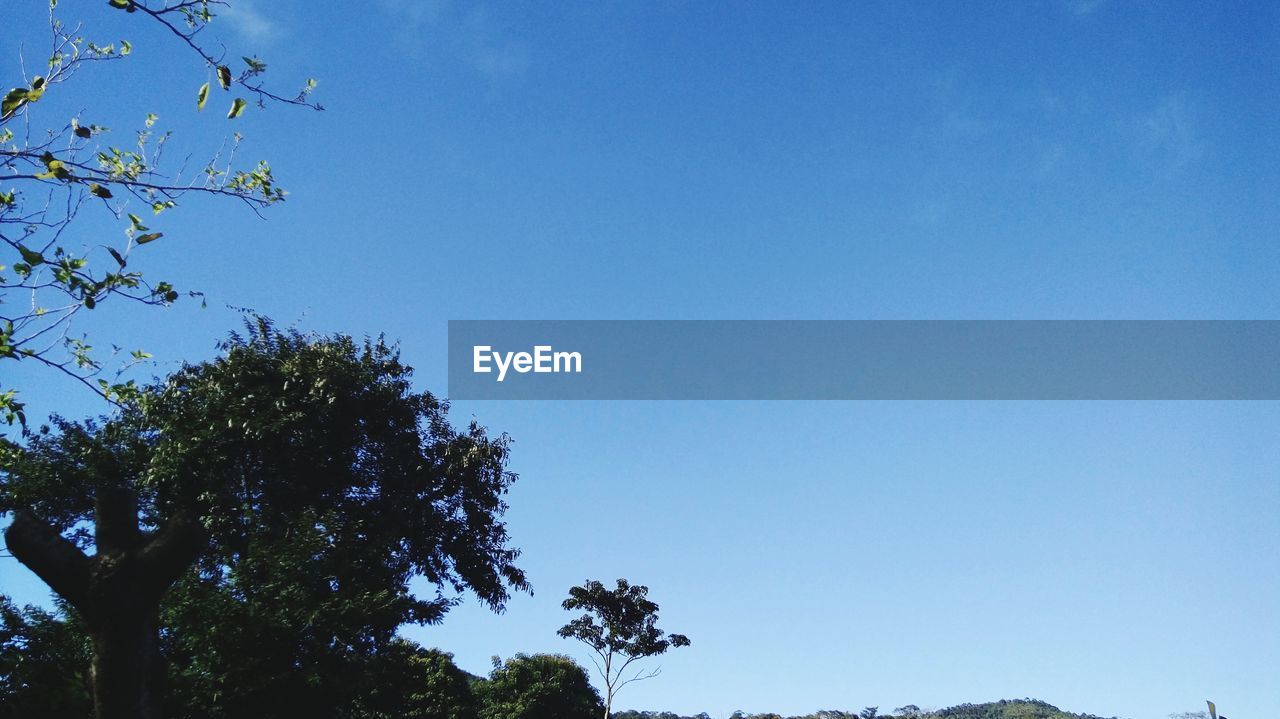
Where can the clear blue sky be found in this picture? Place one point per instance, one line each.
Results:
(606, 160)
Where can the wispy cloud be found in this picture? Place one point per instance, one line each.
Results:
(1081, 8)
(247, 20)
(416, 14)
(474, 36)
(958, 116)
(1168, 134)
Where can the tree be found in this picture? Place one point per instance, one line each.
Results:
(411, 682)
(43, 664)
(44, 659)
(289, 650)
(64, 184)
(620, 626)
(541, 686)
(292, 467)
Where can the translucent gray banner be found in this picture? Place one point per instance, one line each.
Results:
(864, 359)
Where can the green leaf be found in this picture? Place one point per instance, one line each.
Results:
(224, 77)
(149, 237)
(89, 302)
(237, 107)
(55, 169)
(16, 98)
(254, 64)
(201, 96)
(37, 89)
(31, 257)
(99, 191)
(116, 255)
(119, 4)
(82, 131)
(126, 47)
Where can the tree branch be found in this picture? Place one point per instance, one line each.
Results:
(172, 550)
(189, 39)
(640, 676)
(53, 558)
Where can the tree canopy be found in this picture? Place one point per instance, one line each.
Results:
(417, 683)
(292, 488)
(620, 627)
(539, 686)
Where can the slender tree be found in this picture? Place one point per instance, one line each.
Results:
(620, 627)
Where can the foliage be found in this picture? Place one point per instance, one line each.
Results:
(294, 450)
(633, 714)
(44, 660)
(48, 271)
(410, 682)
(620, 626)
(1003, 709)
(44, 656)
(540, 686)
(341, 466)
(400, 680)
(404, 681)
(320, 485)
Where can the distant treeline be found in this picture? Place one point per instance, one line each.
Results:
(1003, 709)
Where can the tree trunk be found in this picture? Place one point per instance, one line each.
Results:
(128, 673)
(117, 593)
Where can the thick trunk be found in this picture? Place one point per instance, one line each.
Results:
(117, 592)
(128, 674)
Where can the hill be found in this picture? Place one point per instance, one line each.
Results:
(1003, 709)
(1008, 709)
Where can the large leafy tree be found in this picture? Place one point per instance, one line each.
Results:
(539, 686)
(293, 471)
(620, 627)
(65, 179)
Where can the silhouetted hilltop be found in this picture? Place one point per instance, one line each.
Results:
(1003, 709)
(1008, 709)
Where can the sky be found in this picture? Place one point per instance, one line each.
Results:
(1073, 159)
